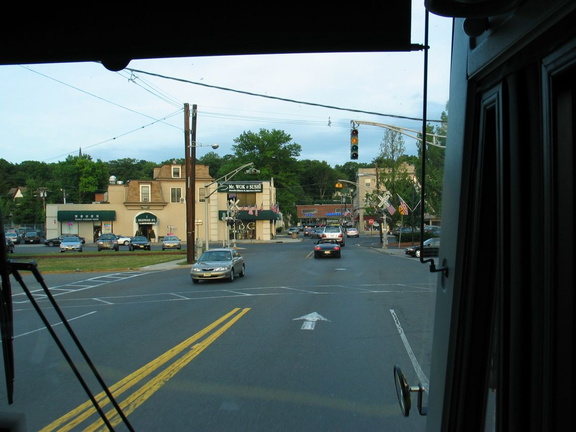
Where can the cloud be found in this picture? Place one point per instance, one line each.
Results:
(49, 111)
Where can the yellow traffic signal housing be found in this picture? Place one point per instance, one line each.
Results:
(354, 144)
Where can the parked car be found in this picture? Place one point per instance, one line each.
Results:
(352, 232)
(123, 240)
(327, 248)
(9, 245)
(171, 242)
(32, 237)
(107, 241)
(293, 230)
(221, 263)
(431, 248)
(139, 242)
(57, 240)
(333, 232)
(70, 244)
(12, 235)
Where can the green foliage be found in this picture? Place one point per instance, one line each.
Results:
(132, 169)
(434, 166)
(273, 153)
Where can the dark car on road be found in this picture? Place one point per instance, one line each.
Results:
(107, 241)
(316, 232)
(139, 242)
(431, 248)
(327, 248)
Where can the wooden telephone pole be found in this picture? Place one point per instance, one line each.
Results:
(190, 158)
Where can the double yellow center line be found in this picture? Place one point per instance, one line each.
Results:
(195, 344)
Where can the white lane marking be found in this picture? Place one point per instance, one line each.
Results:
(310, 320)
(54, 325)
(421, 376)
(77, 286)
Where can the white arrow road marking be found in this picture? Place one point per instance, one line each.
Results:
(310, 320)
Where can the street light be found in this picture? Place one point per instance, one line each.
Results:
(224, 179)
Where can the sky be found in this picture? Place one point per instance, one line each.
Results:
(50, 111)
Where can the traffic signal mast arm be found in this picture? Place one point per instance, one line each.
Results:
(413, 133)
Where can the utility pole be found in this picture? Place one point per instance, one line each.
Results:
(190, 158)
(382, 215)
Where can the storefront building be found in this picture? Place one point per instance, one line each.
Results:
(326, 214)
(155, 208)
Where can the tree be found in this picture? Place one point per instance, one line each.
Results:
(213, 161)
(81, 177)
(317, 180)
(274, 154)
(434, 166)
(131, 169)
(29, 209)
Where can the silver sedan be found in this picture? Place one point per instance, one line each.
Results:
(70, 244)
(222, 263)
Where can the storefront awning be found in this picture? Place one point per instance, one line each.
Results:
(86, 215)
(146, 218)
(246, 216)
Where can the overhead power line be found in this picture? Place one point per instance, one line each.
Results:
(276, 97)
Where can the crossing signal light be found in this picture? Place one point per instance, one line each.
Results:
(354, 144)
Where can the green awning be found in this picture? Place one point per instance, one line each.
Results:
(246, 216)
(146, 218)
(86, 215)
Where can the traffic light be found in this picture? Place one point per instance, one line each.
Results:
(354, 143)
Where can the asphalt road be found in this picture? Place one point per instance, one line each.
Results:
(298, 344)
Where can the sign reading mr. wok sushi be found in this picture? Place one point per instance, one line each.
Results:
(240, 187)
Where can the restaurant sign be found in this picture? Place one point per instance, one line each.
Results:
(244, 187)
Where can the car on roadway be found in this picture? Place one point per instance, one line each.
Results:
(32, 237)
(171, 242)
(315, 232)
(292, 230)
(431, 248)
(327, 248)
(221, 263)
(139, 242)
(9, 245)
(107, 241)
(333, 232)
(70, 243)
(57, 240)
(352, 232)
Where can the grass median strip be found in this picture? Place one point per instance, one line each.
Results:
(103, 261)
